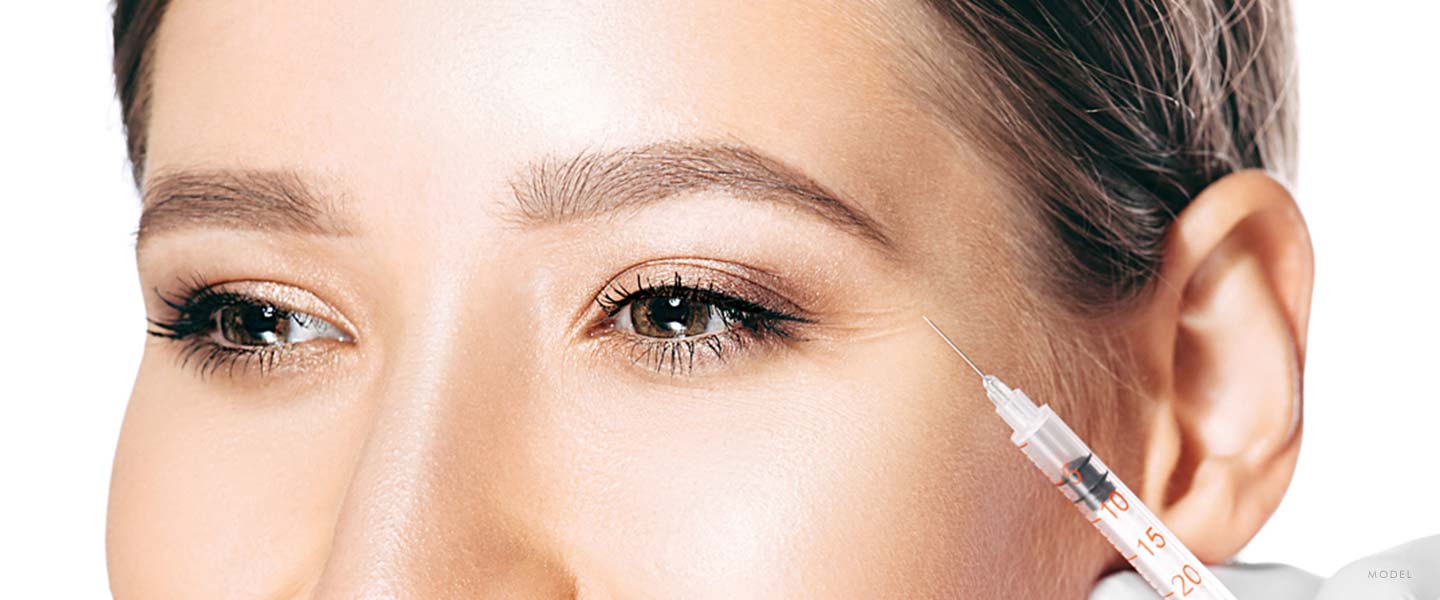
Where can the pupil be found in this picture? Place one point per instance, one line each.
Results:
(672, 317)
(669, 313)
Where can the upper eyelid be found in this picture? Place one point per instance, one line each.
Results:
(290, 298)
(705, 295)
(719, 277)
(650, 290)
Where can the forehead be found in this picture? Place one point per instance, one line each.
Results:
(455, 93)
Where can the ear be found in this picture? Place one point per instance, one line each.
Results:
(1222, 349)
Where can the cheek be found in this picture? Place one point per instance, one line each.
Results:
(921, 489)
(860, 471)
(214, 493)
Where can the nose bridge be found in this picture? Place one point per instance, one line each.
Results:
(433, 508)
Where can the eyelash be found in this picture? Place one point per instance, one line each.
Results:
(193, 324)
(745, 322)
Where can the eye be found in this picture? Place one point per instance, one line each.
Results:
(244, 324)
(666, 323)
(674, 316)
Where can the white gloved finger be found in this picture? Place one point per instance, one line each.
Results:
(1406, 572)
(1247, 582)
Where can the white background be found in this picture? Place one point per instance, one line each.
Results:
(72, 323)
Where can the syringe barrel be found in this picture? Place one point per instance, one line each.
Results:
(1108, 504)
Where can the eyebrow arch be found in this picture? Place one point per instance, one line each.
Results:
(591, 183)
(248, 199)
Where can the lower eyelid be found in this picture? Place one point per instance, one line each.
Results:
(686, 356)
(680, 354)
(207, 357)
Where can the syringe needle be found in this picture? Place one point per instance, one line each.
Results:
(954, 347)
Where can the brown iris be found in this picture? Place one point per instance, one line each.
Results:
(252, 324)
(669, 317)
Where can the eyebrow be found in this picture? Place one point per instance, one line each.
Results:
(591, 183)
(246, 200)
(546, 191)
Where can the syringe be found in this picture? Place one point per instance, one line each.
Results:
(1106, 502)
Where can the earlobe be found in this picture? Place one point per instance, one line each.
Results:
(1223, 346)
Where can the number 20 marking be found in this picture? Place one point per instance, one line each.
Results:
(1191, 575)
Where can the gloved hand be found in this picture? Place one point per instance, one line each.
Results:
(1407, 572)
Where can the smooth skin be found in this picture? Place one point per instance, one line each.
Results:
(476, 434)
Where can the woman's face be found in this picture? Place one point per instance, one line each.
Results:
(597, 298)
